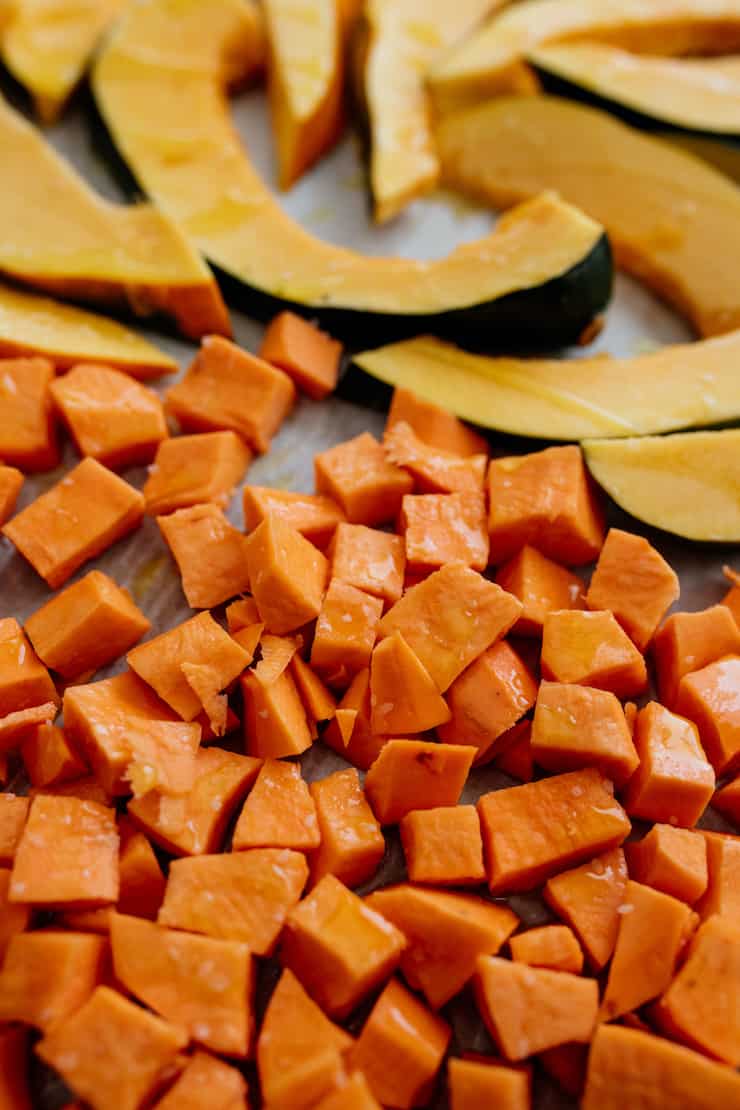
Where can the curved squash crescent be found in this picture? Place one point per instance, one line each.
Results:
(541, 275)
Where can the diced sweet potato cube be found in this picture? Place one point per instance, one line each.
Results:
(403, 696)
(446, 932)
(313, 515)
(433, 469)
(279, 811)
(77, 519)
(723, 877)
(67, 855)
(545, 499)
(352, 845)
(727, 801)
(414, 774)
(11, 482)
(443, 846)
(111, 417)
(351, 1093)
(553, 946)
(277, 654)
(27, 433)
(299, 1051)
(194, 470)
(206, 1081)
(345, 632)
(112, 1052)
(512, 999)
(533, 831)
(339, 949)
(210, 553)
(434, 425)
(15, 917)
(516, 759)
(275, 722)
(86, 789)
(711, 699)
(47, 975)
(319, 703)
(13, 816)
(287, 574)
(591, 649)
(578, 726)
(689, 642)
(588, 898)
(24, 680)
(89, 624)
(195, 824)
(368, 559)
(488, 698)
(450, 619)
(228, 389)
(198, 640)
(542, 586)
(671, 860)
(350, 733)
(241, 614)
(141, 882)
(634, 582)
(243, 896)
(308, 356)
(473, 1084)
(359, 477)
(49, 758)
(16, 727)
(444, 528)
(200, 984)
(400, 1048)
(674, 782)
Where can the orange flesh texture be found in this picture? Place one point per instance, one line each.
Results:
(49, 974)
(27, 423)
(723, 872)
(206, 1081)
(591, 649)
(433, 470)
(588, 898)
(307, 355)
(368, 559)
(553, 946)
(433, 425)
(15, 917)
(542, 586)
(577, 726)
(11, 482)
(443, 846)
(288, 576)
(358, 476)
(711, 699)
(345, 632)
(313, 515)
(688, 642)
(671, 860)
(441, 528)
(49, 758)
(24, 680)
(279, 811)
(182, 476)
(352, 844)
(413, 774)
(403, 696)
(210, 553)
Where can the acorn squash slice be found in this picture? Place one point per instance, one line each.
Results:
(688, 484)
(673, 220)
(34, 325)
(489, 62)
(699, 95)
(59, 236)
(542, 274)
(683, 386)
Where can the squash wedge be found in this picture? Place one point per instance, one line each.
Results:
(305, 81)
(685, 386)
(489, 62)
(687, 484)
(699, 95)
(59, 236)
(673, 221)
(33, 325)
(48, 44)
(395, 44)
(543, 272)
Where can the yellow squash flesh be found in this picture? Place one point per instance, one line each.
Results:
(489, 62)
(33, 325)
(689, 385)
(59, 236)
(673, 220)
(688, 484)
(48, 44)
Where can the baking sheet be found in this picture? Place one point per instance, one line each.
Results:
(331, 202)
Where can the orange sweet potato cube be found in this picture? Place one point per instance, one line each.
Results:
(308, 355)
(313, 515)
(319, 703)
(671, 860)
(13, 815)
(358, 476)
(27, 425)
(110, 416)
(434, 425)
(370, 560)
(578, 726)
(548, 500)
(11, 481)
(722, 895)
(338, 948)
(533, 831)
(711, 699)
(111, 1052)
(516, 759)
(542, 586)
(413, 774)
(593, 650)
(727, 801)
(77, 519)
(49, 757)
(67, 855)
(195, 470)
(210, 553)
(15, 728)
(345, 632)
(588, 899)
(443, 846)
(403, 697)
(49, 974)
(400, 1048)
(141, 882)
(674, 782)
(89, 624)
(226, 388)
(350, 1093)
(287, 574)
(635, 583)
(24, 680)
(441, 528)
(275, 723)
(352, 845)
(473, 1084)
(206, 1080)
(488, 698)
(434, 470)
(689, 642)
(450, 619)
(279, 811)
(553, 946)
(14, 917)
(243, 896)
